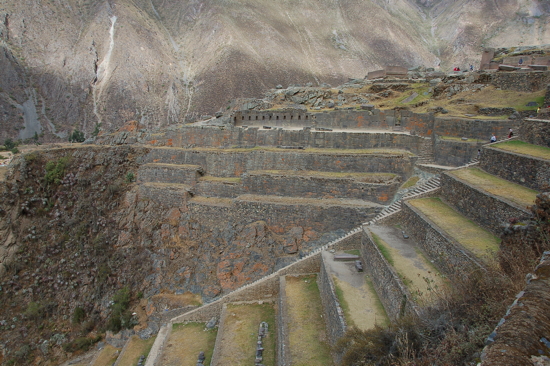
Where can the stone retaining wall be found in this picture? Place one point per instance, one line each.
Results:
(214, 361)
(491, 212)
(447, 255)
(222, 163)
(165, 194)
(535, 131)
(168, 173)
(521, 81)
(334, 315)
(526, 170)
(455, 153)
(212, 188)
(317, 187)
(228, 137)
(390, 289)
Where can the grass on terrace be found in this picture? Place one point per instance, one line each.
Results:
(521, 147)
(135, 348)
(292, 200)
(211, 178)
(241, 328)
(362, 177)
(410, 182)
(186, 342)
(499, 187)
(452, 138)
(473, 237)
(307, 334)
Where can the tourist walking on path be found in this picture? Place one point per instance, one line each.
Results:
(510, 134)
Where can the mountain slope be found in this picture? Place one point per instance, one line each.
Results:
(75, 63)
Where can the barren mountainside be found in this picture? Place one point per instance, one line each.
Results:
(68, 64)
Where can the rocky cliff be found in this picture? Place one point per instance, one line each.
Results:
(69, 64)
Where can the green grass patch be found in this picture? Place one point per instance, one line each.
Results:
(473, 237)
(307, 332)
(187, 340)
(410, 182)
(343, 303)
(380, 309)
(497, 186)
(521, 147)
(134, 349)
(353, 252)
(383, 247)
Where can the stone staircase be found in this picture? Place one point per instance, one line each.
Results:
(432, 185)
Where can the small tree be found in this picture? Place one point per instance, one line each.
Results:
(77, 136)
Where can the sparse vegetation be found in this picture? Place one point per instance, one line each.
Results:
(55, 170)
(120, 315)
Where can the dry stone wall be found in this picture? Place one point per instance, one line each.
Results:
(535, 131)
(455, 153)
(333, 313)
(489, 211)
(314, 187)
(525, 170)
(390, 289)
(168, 173)
(447, 255)
(222, 163)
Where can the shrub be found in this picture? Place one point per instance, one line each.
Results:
(130, 177)
(15, 151)
(55, 170)
(81, 344)
(9, 144)
(34, 311)
(78, 315)
(77, 136)
(120, 316)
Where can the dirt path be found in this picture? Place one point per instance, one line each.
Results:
(418, 274)
(361, 306)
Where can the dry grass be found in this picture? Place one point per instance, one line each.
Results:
(308, 340)
(361, 177)
(297, 151)
(185, 344)
(473, 237)
(497, 186)
(241, 334)
(3, 171)
(167, 165)
(521, 147)
(136, 347)
(452, 138)
(211, 178)
(107, 356)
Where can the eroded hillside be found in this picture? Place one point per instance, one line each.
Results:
(78, 63)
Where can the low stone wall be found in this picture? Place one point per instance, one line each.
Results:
(521, 335)
(334, 316)
(168, 173)
(491, 212)
(165, 194)
(521, 81)
(535, 131)
(212, 188)
(316, 187)
(228, 163)
(446, 254)
(526, 170)
(455, 153)
(390, 289)
(264, 288)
